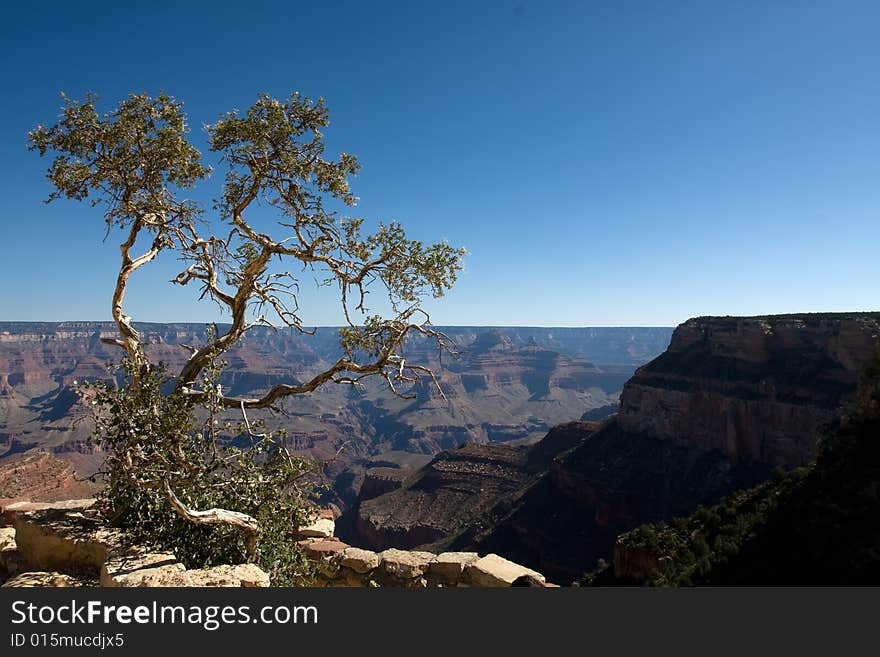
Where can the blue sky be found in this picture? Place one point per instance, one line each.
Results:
(605, 164)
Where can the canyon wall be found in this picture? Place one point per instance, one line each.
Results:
(756, 389)
(730, 399)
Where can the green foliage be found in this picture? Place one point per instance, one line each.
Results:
(125, 159)
(273, 137)
(153, 436)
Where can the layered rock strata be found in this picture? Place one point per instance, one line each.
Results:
(756, 389)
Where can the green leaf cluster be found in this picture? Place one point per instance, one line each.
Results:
(128, 159)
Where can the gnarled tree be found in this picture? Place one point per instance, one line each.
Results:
(138, 164)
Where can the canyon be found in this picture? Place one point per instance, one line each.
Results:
(550, 443)
(729, 401)
(505, 384)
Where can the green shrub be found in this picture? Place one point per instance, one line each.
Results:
(153, 437)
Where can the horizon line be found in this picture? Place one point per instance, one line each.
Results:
(334, 326)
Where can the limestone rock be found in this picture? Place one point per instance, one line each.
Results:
(323, 549)
(448, 567)
(492, 571)
(160, 576)
(157, 571)
(360, 561)
(45, 579)
(325, 554)
(405, 565)
(64, 540)
(61, 505)
(11, 560)
(348, 578)
(140, 569)
(9, 511)
(321, 528)
(245, 575)
(7, 538)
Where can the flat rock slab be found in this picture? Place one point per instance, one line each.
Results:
(323, 549)
(405, 564)
(493, 571)
(164, 574)
(66, 541)
(62, 505)
(448, 567)
(168, 575)
(46, 579)
(360, 561)
(321, 528)
(247, 575)
(139, 569)
(10, 510)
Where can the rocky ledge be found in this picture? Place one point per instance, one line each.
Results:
(65, 545)
(444, 497)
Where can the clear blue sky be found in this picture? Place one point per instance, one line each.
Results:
(608, 163)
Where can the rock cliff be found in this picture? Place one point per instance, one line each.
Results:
(66, 544)
(41, 477)
(458, 494)
(727, 402)
(753, 388)
(815, 525)
(608, 482)
(445, 496)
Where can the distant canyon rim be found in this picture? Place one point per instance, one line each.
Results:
(508, 385)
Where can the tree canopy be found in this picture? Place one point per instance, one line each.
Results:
(137, 163)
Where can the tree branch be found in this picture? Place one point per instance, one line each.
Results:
(216, 516)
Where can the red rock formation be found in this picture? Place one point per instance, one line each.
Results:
(443, 498)
(41, 477)
(378, 481)
(755, 388)
(509, 385)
